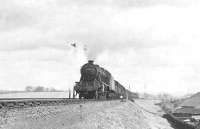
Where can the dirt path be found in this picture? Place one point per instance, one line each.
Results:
(102, 115)
(150, 106)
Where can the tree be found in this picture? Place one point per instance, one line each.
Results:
(39, 89)
(29, 88)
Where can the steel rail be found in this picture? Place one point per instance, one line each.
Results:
(32, 102)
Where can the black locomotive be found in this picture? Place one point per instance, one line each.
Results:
(98, 83)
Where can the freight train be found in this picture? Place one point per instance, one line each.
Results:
(97, 83)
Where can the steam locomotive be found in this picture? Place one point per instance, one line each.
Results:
(98, 83)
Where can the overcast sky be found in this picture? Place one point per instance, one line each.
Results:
(151, 45)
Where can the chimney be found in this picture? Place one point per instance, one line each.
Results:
(90, 61)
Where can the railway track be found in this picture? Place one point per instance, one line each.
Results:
(32, 102)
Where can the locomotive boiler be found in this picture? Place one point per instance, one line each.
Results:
(96, 82)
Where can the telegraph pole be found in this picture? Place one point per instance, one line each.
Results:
(69, 93)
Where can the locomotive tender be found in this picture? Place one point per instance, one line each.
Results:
(98, 83)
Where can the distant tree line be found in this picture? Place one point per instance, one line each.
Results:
(166, 97)
(40, 89)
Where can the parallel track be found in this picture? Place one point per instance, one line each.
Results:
(32, 102)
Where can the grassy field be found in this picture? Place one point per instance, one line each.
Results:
(35, 95)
